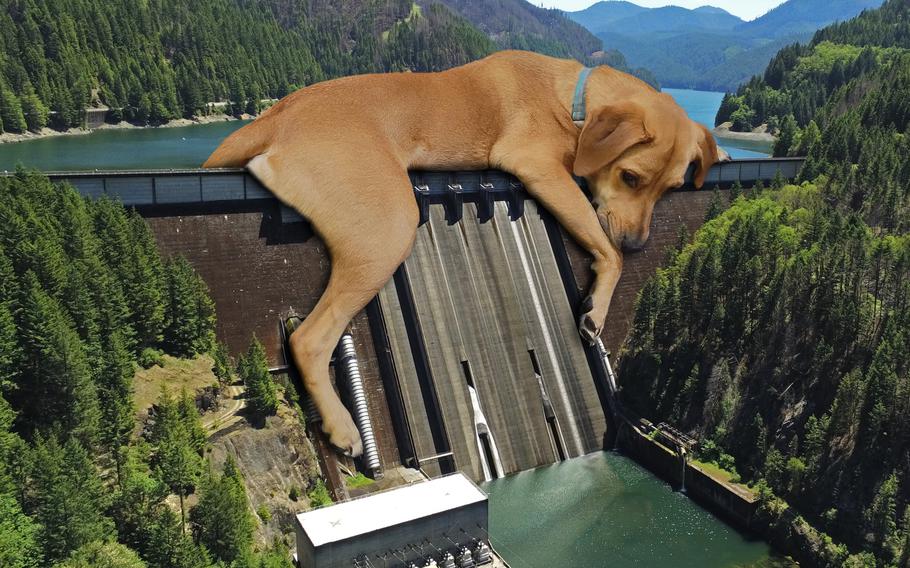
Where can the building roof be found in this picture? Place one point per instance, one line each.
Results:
(389, 508)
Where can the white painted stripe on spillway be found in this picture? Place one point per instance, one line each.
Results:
(548, 340)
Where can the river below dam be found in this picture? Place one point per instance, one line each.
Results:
(603, 509)
(189, 146)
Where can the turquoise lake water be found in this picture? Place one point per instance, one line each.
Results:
(605, 510)
(189, 146)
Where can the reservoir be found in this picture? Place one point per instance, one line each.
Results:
(189, 146)
(603, 509)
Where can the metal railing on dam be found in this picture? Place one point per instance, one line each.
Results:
(470, 356)
(189, 188)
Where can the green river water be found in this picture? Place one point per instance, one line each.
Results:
(593, 511)
(603, 509)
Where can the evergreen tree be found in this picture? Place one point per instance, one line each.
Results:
(715, 206)
(10, 350)
(253, 369)
(189, 416)
(222, 520)
(19, 546)
(35, 111)
(68, 499)
(102, 555)
(881, 514)
(177, 461)
(11, 112)
(138, 503)
(115, 395)
(56, 387)
(18, 535)
(786, 136)
(189, 326)
(222, 365)
(171, 547)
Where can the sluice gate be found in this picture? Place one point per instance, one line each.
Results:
(469, 359)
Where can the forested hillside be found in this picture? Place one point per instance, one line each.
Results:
(154, 61)
(708, 48)
(84, 298)
(800, 79)
(779, 336)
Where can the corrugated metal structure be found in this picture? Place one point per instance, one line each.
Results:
(492, 315)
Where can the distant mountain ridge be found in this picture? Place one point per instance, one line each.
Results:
(707, 47)
(169, 58)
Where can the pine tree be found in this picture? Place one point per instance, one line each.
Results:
(138, 502)
(786, 136)
(68, 498)
(715, 206)
(222, 520)
(171, 547)
(56, 385)
(11, 112)
(189, 416)
(881, 515)
(10, 350)
(35, 111)
(253, 369)
(19, 546)
(100, 554)
(736, 190)
(115, 396)
(146, 284)
(177, 462)
(190, 315)
(222, 365)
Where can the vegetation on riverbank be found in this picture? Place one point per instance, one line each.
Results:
(779, 335)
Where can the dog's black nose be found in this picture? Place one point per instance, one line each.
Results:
(632, 244)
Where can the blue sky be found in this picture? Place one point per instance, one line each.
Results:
(745, 9)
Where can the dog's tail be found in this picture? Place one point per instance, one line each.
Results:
(240, 147)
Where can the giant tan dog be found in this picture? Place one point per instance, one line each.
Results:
(339, 152)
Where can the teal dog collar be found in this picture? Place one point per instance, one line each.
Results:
(578, 100)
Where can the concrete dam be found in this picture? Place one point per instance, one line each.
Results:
(469, 359)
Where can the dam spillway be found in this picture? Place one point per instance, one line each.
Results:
(470, 358)
(494, 318)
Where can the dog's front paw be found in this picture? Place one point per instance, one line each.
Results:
(588, 330)
(342, 432)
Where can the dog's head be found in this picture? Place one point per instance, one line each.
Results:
(631, 153)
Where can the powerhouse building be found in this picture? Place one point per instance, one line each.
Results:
(439, 521)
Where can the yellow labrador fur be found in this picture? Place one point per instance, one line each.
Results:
(339, 152)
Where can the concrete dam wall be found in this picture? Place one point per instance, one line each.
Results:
(470, 356)
(499, 343)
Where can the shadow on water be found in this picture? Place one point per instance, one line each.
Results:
(605, 510)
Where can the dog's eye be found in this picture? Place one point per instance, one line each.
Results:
(630, 179)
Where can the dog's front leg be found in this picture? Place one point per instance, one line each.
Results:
(557, 191)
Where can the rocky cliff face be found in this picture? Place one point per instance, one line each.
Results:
(274, 460)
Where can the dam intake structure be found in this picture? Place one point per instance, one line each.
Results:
(469, 359)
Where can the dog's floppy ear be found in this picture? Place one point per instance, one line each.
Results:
(708, 155)
(608, 132)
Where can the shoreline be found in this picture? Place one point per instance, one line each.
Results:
(757, 135)
(17, 137)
